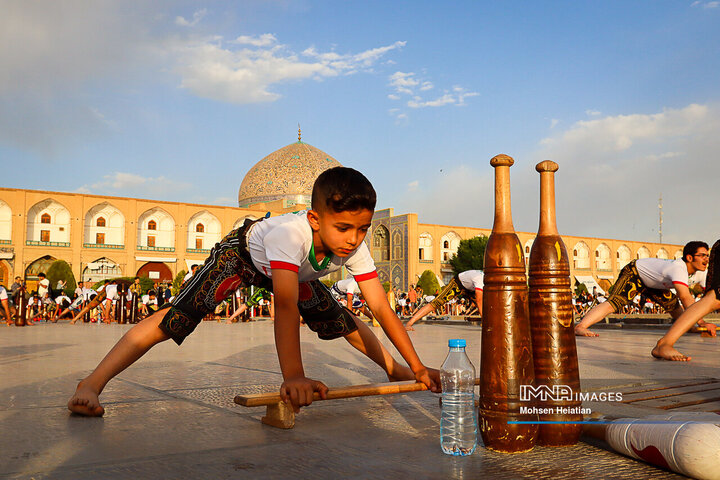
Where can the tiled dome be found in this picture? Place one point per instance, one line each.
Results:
(286, 173)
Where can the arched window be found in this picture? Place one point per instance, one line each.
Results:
(200, 228)
(581, 255)
(152, 225)
(45, 218)
(100, 222)
(381, 244)
(426, 243)
(624, 255)
(602, 257)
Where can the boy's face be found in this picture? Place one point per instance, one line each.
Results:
(340, 232)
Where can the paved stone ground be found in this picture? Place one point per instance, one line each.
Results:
(171, 415)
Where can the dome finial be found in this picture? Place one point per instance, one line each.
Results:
(299, 134)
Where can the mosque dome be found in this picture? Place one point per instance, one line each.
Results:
(288, 173)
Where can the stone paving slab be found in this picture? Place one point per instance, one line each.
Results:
(172, 416)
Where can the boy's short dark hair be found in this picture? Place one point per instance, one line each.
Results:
(691, 248)
(343, 189)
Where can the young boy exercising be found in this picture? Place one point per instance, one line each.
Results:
(287, 254)
(468, 284)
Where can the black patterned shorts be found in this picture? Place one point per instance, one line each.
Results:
(454, 289)
(629, 284)
(230, 267)
(322, 313)
(712, 281)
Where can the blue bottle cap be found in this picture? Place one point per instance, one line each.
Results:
(456, 343)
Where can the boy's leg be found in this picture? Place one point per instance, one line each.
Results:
(664, 348)
(240, 310)
(133, 345)
(364, 340)
(597, 313)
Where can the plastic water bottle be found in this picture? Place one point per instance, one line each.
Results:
(458, 419)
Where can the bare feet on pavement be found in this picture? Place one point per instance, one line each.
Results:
(584, 332)
(85, 402)
(666, 352)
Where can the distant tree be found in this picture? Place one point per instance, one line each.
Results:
(60, 270)
(580, 288)
(428, 282)
(386, 286)
(470, 255)
(177, 282)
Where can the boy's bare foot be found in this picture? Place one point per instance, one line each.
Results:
(666, 352)
(85, 402)
(409, 329)
(584, 332)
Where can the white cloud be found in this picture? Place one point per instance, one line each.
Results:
(210, 70)
(403, 82)
(264, 40)
(613, 169)
(554, 122)
(417, 102)
(713, 4)
(57, 57)
(131, 184)
(407, 83)
(197, 16)
(413, 185)
(592, 113)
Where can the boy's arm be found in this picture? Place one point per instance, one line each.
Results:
(374, 294)
(296, 388)
(478, 301)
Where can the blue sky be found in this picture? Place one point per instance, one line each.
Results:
(176, 100)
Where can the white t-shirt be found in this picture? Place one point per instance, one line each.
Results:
(110, 291)
(698, 278)
(349, 285)
(286, 242)
(43, 286)
(3, 293)
(146, 300)
(62, 298)
(662, 274)
(472, 279)
(87, 293)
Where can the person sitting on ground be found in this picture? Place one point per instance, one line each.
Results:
(652, 277)
(150, 304)
(5, 305)
(468, 284)
(289, 254)
(665, 347)
(48, 307)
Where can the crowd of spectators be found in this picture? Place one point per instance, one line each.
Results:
(49, 304)
(407, 303)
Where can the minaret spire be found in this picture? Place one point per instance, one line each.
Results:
(299, 134)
